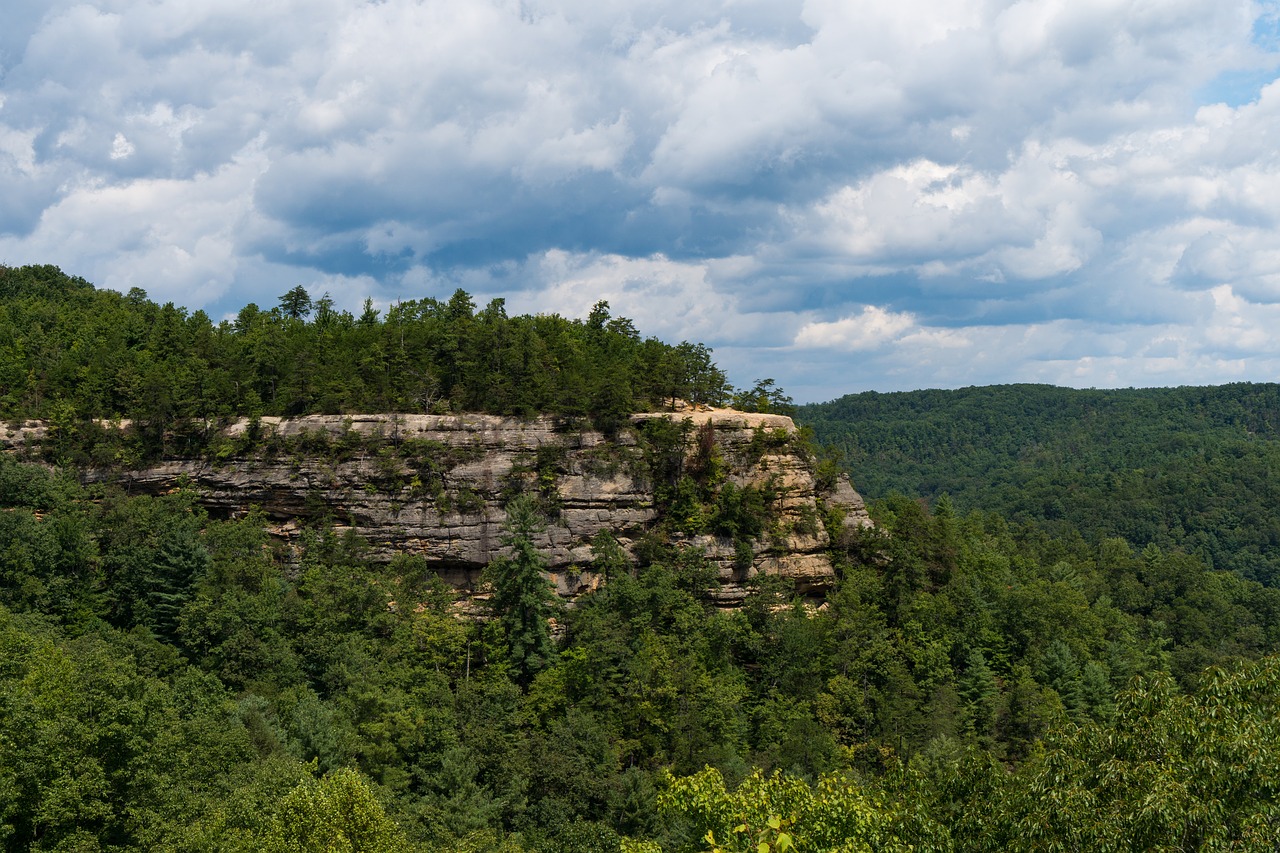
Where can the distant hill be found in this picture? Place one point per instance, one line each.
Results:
(1196, 468)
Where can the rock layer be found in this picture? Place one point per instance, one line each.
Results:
(435, 485)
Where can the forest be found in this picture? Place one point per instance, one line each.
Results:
(70, 352)
(1193, 469)
(980, 678)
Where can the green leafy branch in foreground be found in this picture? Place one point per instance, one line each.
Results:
(772, 838)
(772, 813)
(1172, 771)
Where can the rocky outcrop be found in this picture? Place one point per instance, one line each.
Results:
(435, 485)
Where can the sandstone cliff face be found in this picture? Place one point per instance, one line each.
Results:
(435, 485)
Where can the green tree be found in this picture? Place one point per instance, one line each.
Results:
(764, 396)
(296, 303)
(522, 595)
(1172, 772)
(776, 813)
(336, 814)
(980, 691)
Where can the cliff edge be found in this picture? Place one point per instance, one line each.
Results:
(436, 485)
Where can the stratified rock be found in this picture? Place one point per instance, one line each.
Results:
(435, 486)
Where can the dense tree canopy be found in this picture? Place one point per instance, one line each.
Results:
(68, 351)
(171, 681)
(1191, 468)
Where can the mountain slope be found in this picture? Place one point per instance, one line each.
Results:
(1192, 468)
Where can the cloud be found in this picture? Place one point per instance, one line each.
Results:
(675, 300)
(1238, 327)
(177, 240)
(872, 328)
(942, 192)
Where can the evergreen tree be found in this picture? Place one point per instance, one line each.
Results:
(1095, 691)
(1060, 670)
(980, 691)
(296, 303)
(522, 595)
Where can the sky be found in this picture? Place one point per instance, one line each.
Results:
(841, 195)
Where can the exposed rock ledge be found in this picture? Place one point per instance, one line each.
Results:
(455, 521)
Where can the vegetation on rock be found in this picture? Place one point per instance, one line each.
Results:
(70, 353)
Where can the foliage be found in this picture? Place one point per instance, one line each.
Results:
(764, 396)
(779, 813)
(336, 814)
(72, 354)
(144, 634)
(1171, 772)
(972, 682)
(522, 595)
(1196, 469)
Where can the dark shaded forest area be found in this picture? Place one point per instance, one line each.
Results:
(169, 681)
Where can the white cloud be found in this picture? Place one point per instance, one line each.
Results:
(872, 328)
(1239, 327)
(671, 299)
(121, 147)
(177, 240)
(959, 192)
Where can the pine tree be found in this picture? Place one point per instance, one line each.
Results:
(296, 303)
(981, 692)
(522, 595)
(1061, 671)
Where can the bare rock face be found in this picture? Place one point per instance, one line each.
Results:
(435, 485)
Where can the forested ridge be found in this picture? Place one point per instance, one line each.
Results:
(171, 681)
(69, 350)
(1196, 469)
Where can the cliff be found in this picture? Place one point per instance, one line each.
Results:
(435, 485)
